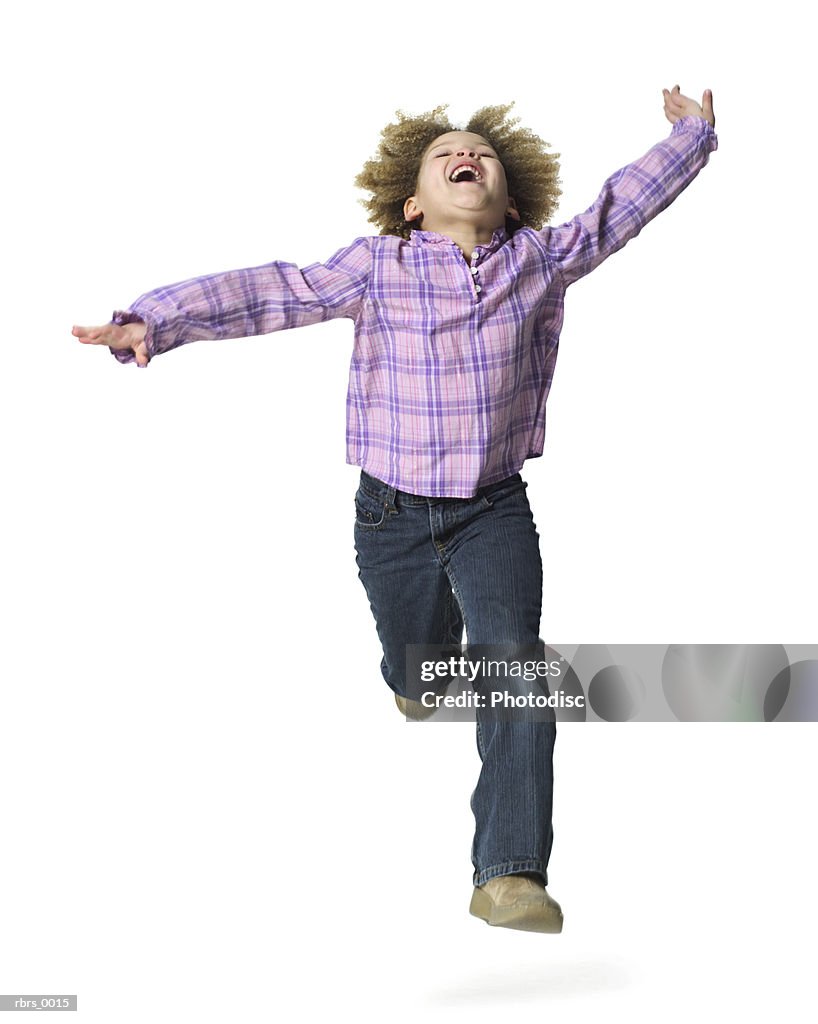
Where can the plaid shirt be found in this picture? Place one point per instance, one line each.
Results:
(453, 358)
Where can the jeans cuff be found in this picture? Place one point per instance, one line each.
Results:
(512, 867)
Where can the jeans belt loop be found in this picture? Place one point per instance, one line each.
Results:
(390, 497)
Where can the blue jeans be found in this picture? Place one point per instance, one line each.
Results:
(431, 566)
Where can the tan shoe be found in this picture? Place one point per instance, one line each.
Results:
(413, 709)
(517, 901)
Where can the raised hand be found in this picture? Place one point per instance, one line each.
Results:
(677, 106)
(128, 336)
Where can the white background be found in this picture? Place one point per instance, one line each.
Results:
(210, 807)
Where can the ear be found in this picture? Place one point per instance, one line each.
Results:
(411, 209)
(511, 210)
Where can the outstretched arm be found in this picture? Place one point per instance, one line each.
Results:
(634, 195)
(236, 304)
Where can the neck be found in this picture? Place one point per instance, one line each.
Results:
(465, 236)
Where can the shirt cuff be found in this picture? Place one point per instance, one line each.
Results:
(696, 125)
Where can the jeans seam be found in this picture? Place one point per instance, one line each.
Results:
(456, 591)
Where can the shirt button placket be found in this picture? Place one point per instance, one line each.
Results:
(474, 271)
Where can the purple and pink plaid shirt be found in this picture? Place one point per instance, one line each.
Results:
(452, 359)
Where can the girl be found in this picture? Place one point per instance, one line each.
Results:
(458, 308)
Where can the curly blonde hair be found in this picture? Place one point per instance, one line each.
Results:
(391, 176)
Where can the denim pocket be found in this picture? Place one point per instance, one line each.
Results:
(504, 489)
(370, 512)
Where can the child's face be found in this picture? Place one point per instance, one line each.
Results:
(478, 194)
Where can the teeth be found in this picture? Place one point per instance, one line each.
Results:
(459, 171)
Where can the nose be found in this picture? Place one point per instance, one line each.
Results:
(467, 152)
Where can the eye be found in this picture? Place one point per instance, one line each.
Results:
(445, 153)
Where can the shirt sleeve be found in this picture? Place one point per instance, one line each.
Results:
(252, 301)
(629, 199)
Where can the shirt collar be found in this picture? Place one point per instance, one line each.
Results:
(418, 237)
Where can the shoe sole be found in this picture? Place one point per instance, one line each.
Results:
(525, 918)
(413, 710)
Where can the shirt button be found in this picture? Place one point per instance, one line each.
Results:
(474, 271)
(477, 288)
(475, 254)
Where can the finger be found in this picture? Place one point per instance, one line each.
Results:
(707, 105)
(141, 353)
(669, 113)
(92, 335)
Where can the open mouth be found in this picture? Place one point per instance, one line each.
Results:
(465, 172)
